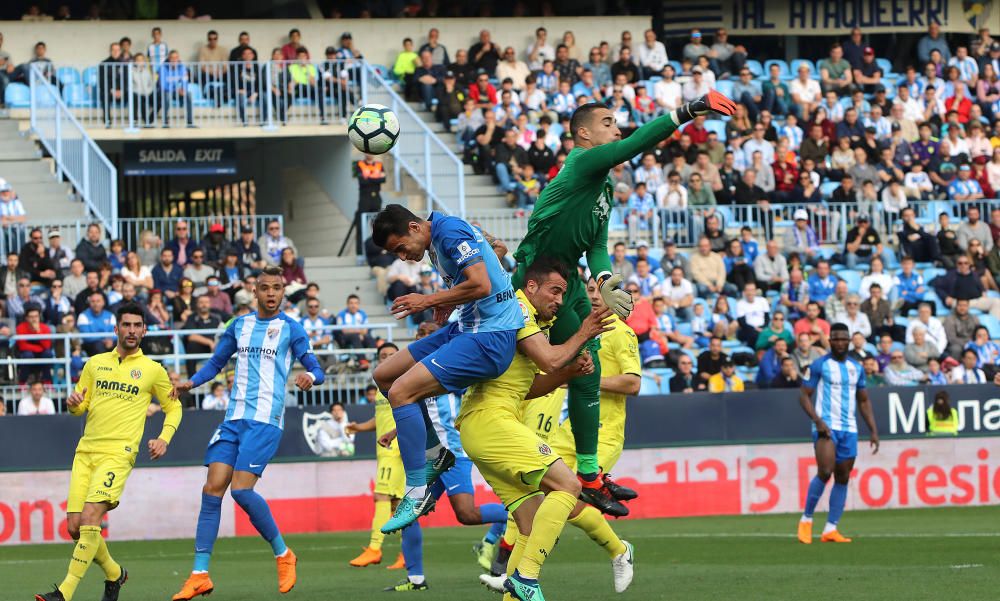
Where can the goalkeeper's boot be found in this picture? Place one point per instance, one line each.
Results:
(594, 492)
(399, 564)
(406, 586)
(55, 595)
(525, 589)
(622, 493)
(286, 571)
(834, 536)
(485, 552)
(493, 583)
(368, 557)
(195, 586)
(805, 532)
(408, 511)
(439, 465)
(622, 568)
(113, 587)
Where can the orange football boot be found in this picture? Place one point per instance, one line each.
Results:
(834, 536)
(805, 532)
(399, 564)
(196, 585)
(286, 571)
(368, 557)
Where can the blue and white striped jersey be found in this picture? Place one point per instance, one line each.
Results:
(443, 410)
(264, 350)
(12, 208)
(836, 384)
(456, 245)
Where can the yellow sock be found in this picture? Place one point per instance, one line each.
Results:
(112, 571)
(545, 529)
(599, 530)
(517, 552)
(383, 511)
(510, 534)
(83, 556)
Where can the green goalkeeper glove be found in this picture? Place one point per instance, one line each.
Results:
(613, 296)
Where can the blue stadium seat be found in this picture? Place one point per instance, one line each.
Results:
(67, 75)
(932, 272)
(852, 277)
(755, 68)
(78, 95)
(798, 62)
(724, 87)
(992, 324)
(648, 387)
(896, 346)
(197, 98)
(826, 188)
(717, 126)
(884, 64)
(676, 65)
(90, 76)
(17, 96)
(782, 66)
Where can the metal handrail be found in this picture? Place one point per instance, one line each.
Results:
(76, 155)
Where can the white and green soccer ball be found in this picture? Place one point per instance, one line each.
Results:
(373, 129)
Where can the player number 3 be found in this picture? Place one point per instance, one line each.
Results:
(110, 481)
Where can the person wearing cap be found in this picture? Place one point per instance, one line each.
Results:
(61, 257)
(11, 209)
(248, 251)
(965, 188)
(726, 380)
(932, 40)
(215, 244)
(351, 57)
(510, 67)
(868, 74)
(439, 52)
(483, 92)
(801, 238)
(219, 301)
(696, 48)
(862, 243)
(404, 66)
(484, 54)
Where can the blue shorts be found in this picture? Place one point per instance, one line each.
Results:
(846, 443)
(458, 360)
(245, 444)
(456, 481)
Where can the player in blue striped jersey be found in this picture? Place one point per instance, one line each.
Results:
(264, 344)
(478, 347)
(838, 383)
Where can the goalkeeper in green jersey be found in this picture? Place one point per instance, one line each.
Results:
(571, 220)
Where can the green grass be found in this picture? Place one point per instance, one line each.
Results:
(908, 555)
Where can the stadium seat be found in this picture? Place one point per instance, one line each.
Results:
(992, 324)
(798, 62)
(783, 72)
(932, 272)
(67, 75)
(648, 387)
(755, 68)
(90, 76)
(676, 65)
(717, 126)
(17, 96)
(197, 98)
(852, 277)
(78, 96)
(724, 87)
(826, 189)
(886, 66)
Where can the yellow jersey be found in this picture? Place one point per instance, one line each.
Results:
(384, 422)
(118, 391)
(619, 355)
(508, 390)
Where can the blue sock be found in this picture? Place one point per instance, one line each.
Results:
(261, 518)
(413, 549)
(437, 489)
(207, 531)
(495, 532)
(816, 487)
(838, 498)
(412, 434)
(493, 513)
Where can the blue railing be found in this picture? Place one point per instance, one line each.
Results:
(419, 151)
(76, 155)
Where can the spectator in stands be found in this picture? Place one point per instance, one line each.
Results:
(965, 188)
(211, 55)
(272, 243)
(73, 283)
(726, 380)
(203, 318)
(728, 58)
(973, 228)
(465, 72)
(112, 82)
(157, 49)
(708, 271)
(805, 352)
(806, 93)
(652, 55)
(643, 277)
(61, 257)
(167, 275)
(738, 269)
(771, 268)
(156, 308)
(483, 92)
(836, 303)
(248, 251)
(960, 327)
(672, 258)
(710, 361)
(794, 294)
(678, 294)
(856, 321)
(540, 50)
(314, 322)
(198, 271)
(752, 314)
(619, 263)
(873, 377)
(962, 283)
(231, 273)
(236, 53)
(879, 312)
(217, 400)
(685, 381)
(899, 373)
(289, 51)
(439, 53)
(919, 351)
(947, 240)
(96, 319)
(914, 242)
(835, 72)
(36, 403)
(304, 82)
(987, 351)
(92, 284)
(18, 304)
(909, 287)
(933, 40)
(863, 244)
(6, 72)
(484, 53)
(353, 336)
(517, 71)
(215, 244)
(56, 305)
(219, 301)
(34, 349)
(817, 328)
(294, 276)
(776, 330)
(789, 376)
(967, 371)
(868, 74)
(769, 368)
(182, 245)
(716, 236)
(137, 274)
(91, 250)
(428, 78)
(35, 260)
(402, 278)
(173, 78)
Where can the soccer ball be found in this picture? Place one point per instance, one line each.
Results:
(373, 129)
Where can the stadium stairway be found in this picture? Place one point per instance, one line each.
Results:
(33, 177)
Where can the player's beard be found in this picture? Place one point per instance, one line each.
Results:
(130, 347)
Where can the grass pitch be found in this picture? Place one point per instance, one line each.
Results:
(897, 555)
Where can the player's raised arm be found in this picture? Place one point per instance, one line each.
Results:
(608, 283)
(355, 427)
(551, 358)
(216, 363)
(601, 157)
(302, 350)
(543, 383)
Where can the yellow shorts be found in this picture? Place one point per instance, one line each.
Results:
(609, 448)
(509, 455)
(542, 414)
(390, 477)
(97, 478)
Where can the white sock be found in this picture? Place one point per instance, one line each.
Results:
(417, 492)
(806, 519)
(283, 554)
(416, 579)
(829, 528)
(199, 571)
(432, 453)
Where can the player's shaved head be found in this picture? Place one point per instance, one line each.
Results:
(593, 124)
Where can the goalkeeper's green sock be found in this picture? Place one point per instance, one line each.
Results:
(585, 418)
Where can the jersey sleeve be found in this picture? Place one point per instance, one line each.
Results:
(861, 379)
(597, 255)
(815, 369)
(628, 352)
(224, 350)
(302, 351)
(458, 241)
(85, 383)
(601, 159)
(530, 325)
(172, 410)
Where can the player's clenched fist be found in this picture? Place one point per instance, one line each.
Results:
(157, 448)
(304, 381)
(386, 439)
(597, 323)
(76, 398)
(584, 364)
(180, 389)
